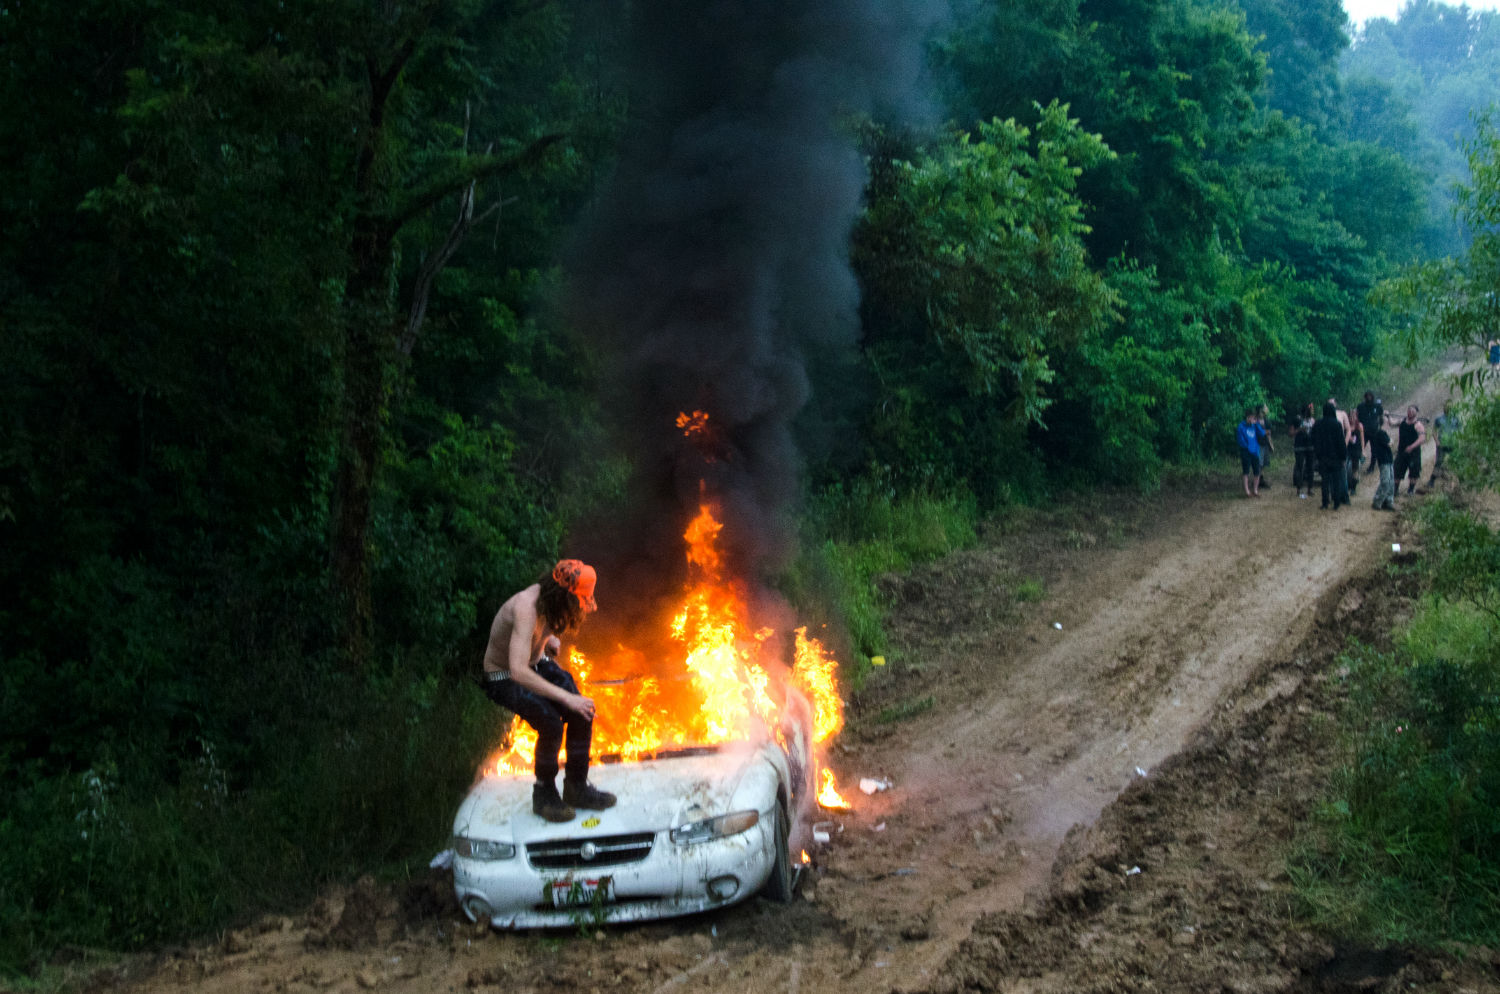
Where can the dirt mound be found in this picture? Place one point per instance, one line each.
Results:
(428, 898)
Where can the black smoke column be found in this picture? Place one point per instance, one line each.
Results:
(716, 257)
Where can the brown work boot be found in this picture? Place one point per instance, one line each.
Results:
(582, 794)
(546, 804)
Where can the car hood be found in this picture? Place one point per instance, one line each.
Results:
(654, 795)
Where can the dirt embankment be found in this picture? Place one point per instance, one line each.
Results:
(1100, 726)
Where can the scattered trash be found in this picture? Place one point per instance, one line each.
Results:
(1395, 546)
(823, 832)
(1057, 625)
(870, 784)
(1139, 772)
(877, 660)
(1132, 871)
(905, 871)
(442, 861)
(715, 929)
(881, 826)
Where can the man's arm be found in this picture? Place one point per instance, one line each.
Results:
(1421, 435)
(521, 664)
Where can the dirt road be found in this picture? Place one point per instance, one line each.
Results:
(1053, 677)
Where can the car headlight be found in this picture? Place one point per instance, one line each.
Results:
(716, 828)
(482, 848)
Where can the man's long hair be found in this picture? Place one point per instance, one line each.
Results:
(558, 606)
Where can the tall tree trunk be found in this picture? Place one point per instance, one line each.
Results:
(378, 333)
(369, 355)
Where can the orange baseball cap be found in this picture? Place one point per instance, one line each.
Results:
(577, 578)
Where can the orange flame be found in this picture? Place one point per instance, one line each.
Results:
(720, 689)
(829, 796)
(805, 857)
(693, 424)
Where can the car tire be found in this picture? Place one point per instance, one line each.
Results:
(779, 885)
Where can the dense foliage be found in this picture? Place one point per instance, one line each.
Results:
(266, 460)
(288, 409)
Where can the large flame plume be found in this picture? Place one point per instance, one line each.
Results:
(724, 683)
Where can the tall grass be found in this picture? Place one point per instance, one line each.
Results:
(1407, 847)
(97, 860)
(851, 536)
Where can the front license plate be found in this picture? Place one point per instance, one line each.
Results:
(572, 893)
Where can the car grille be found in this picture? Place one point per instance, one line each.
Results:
(606, 850)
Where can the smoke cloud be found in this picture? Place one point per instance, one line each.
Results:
(715, 260)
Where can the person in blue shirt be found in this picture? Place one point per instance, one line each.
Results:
(1250, 433)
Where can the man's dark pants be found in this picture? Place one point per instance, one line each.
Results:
(550, 720)
(1302, 470)
(1334, 484)
(1409, 464)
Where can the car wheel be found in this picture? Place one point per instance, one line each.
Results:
(779, 885)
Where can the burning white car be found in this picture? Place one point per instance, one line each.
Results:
(718, 738)
(694, 829)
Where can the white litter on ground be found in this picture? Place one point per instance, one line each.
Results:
(442, 861)
(871, 784)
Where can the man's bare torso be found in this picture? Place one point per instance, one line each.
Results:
(496, 653)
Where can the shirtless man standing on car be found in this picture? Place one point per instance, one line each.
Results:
(519, 675)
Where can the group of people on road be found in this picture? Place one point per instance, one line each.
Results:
(1332, 447)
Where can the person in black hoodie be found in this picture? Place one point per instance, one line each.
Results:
(1331, 452)
(1302, 448)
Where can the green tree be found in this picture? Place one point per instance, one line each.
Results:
(1303, 42)
(974, 272)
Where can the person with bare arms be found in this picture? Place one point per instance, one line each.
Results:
(1410, 434)
(519, 674)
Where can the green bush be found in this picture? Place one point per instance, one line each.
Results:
(853, 535)
(101, 860)
(1408, 846)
